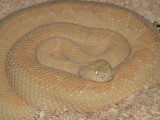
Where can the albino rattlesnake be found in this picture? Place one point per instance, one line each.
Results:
(73, 32)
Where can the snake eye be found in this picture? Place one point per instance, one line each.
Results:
(96, 72)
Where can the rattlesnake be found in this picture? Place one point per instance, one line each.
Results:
(76, 33)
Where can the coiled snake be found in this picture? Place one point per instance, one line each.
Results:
(42, 47)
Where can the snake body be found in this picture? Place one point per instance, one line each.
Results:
(76, 33)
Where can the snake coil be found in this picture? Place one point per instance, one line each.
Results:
(37, 41)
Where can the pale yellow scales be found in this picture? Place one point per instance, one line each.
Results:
(42, 48)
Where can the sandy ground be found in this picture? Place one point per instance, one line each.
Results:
(144, 105)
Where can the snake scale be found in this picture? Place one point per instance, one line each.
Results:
(41, 48)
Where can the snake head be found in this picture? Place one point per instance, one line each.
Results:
(98, 71)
